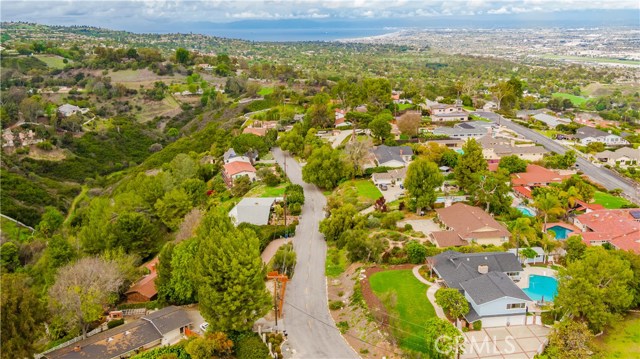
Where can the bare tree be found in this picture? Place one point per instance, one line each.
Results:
(357, 153)
(409, 122)
(82, 290)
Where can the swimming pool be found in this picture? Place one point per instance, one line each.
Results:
(542, 288)
(526, 211)
(561, 232)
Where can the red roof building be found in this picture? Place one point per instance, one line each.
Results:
(145, 290)
(618, 227)
(537, 176)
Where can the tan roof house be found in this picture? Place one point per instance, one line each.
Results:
(467, 224)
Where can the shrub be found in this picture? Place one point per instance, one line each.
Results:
(477, 325)
(115, 323)
(343, 326)
(249, 346)
(408, 227)
(45, 145)
(336, 304)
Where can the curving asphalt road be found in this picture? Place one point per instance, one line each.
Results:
(609, 179)
(311, 331)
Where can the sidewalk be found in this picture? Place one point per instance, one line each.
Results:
(431, 292)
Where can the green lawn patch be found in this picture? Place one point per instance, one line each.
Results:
(336, 262)
(367, 189)
(406, 302)
(265, 91)
(609, 201)
(404, 106)
(274, 191)
(622, 340)
(575, 100)
(52, 61)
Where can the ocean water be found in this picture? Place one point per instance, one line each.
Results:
(297, 34)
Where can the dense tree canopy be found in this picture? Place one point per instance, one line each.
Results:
(423, 177)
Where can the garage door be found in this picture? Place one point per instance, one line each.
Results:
(490, 322)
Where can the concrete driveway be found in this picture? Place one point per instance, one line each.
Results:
(523, 341)
(392, 193)
(425, 226)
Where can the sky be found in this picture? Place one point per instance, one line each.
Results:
(102, 13)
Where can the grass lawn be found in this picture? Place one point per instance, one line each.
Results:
(274, 191)
(52, 61)
(404, 106)
(367, 189)
(336, 262)
(405, 299)
(609, 201)
(576, 100)
(622, 340)
(265, 91)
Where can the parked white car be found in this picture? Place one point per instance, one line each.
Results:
(204, 326)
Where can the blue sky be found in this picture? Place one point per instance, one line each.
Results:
(120, 13)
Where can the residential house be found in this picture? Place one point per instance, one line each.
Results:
(465, 130)
(235, 169)
(67, 110)
(467, 224)
(493, 149)
(443, 112)
(260, 128)
(587, 134)
(341, 119)
(623, 157)
(487, 282)
(166, 326)
(618, 227)
(390, 178)
(490, 105)
(144, 290)
(253, 210)
(452, 143)
(535, 176)
(394, 157)
(231, 156)
(551, 121)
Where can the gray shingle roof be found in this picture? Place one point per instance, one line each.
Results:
(586, 131)
(253, 210)
(121, 340)
(168, 319)
(492, 286)
(384, 153)
(455, 267)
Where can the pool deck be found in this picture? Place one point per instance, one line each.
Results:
(528, 270)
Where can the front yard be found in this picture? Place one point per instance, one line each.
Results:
(367, 189)
(404, 298)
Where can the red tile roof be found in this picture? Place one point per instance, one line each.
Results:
(493, 167)
(258, 131)
(537, 176)
(233, 168)
(525, 191)
(615, 226)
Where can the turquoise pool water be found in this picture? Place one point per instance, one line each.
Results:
(561, 232)
(526, 211)
(542, 288)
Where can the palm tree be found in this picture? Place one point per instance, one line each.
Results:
(548, 205)
(522, 230)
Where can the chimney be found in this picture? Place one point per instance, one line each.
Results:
(76, 348)
(483, 269)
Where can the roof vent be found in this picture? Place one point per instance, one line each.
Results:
(127, 332)
(109, 339)
(483, 269)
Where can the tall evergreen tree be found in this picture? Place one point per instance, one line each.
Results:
(423, 177)
(470, 163)
(231, 287)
